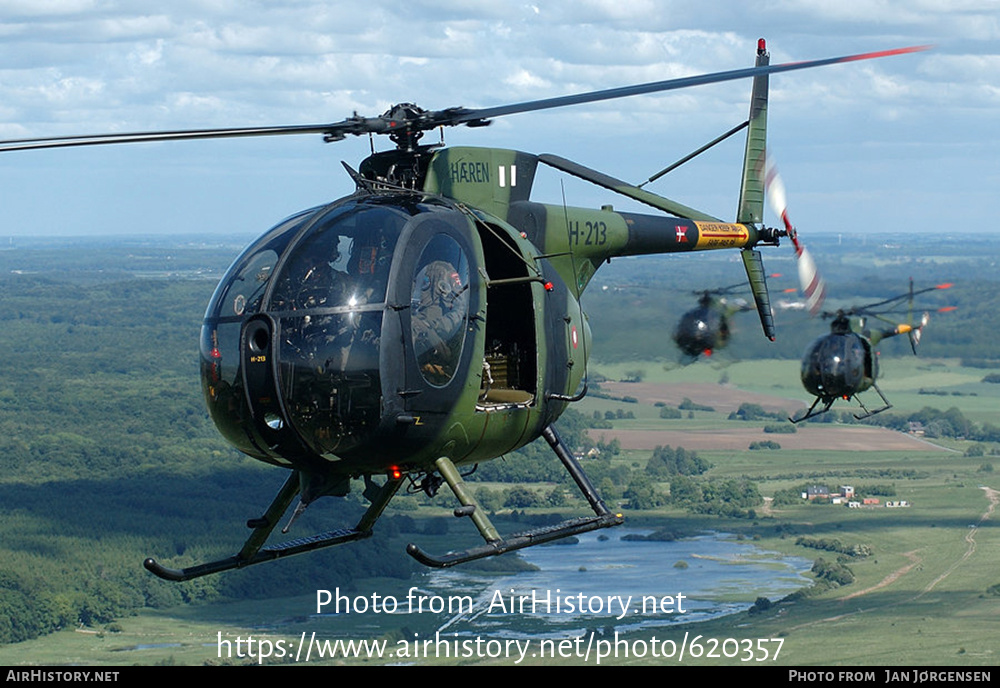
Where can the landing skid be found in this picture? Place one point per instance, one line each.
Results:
(868, 414)
(253, 551)
(497, 544)
(827, 403)
(334, 537)
(516, 541)
(809, 414)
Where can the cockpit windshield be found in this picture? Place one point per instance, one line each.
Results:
(343, 262)
(293, 340)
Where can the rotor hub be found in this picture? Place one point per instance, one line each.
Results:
(401, 119)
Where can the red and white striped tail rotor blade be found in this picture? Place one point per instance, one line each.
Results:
(776, 196)
(812, 283)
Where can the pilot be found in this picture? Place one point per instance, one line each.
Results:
(310, 282)
(314, 281)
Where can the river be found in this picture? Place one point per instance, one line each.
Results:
(605, 581)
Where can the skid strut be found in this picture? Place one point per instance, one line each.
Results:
(867, 414)
(497, 544)
(827, 403)
(253, 551)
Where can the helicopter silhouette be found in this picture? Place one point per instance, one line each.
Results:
(431, 320)
(705, 329)
(844, 363)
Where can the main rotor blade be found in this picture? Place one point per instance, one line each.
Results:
(460, 116)
(332, 131)
(892, 301)
(426, 120)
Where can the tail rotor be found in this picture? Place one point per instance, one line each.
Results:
(812, 283)
(916, 330)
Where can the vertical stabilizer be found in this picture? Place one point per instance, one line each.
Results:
(758, 285)
(751, 209)
(752, 192)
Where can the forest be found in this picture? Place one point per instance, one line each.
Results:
(108, 455)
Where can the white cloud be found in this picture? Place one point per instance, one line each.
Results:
(93, 65)
(147, 54)
(525, 80)
(46, 8)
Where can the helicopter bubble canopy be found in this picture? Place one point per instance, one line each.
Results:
(838, 365)
(702, 331)
(291, 346)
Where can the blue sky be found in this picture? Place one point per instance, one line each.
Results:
(901, 144)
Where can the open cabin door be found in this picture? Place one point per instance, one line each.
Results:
(510, 369)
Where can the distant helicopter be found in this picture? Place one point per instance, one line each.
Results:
(843, 363)
(703, 330)
(431, 320)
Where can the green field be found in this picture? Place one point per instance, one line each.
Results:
(927, 595)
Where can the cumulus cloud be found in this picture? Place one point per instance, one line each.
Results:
(91, 65)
